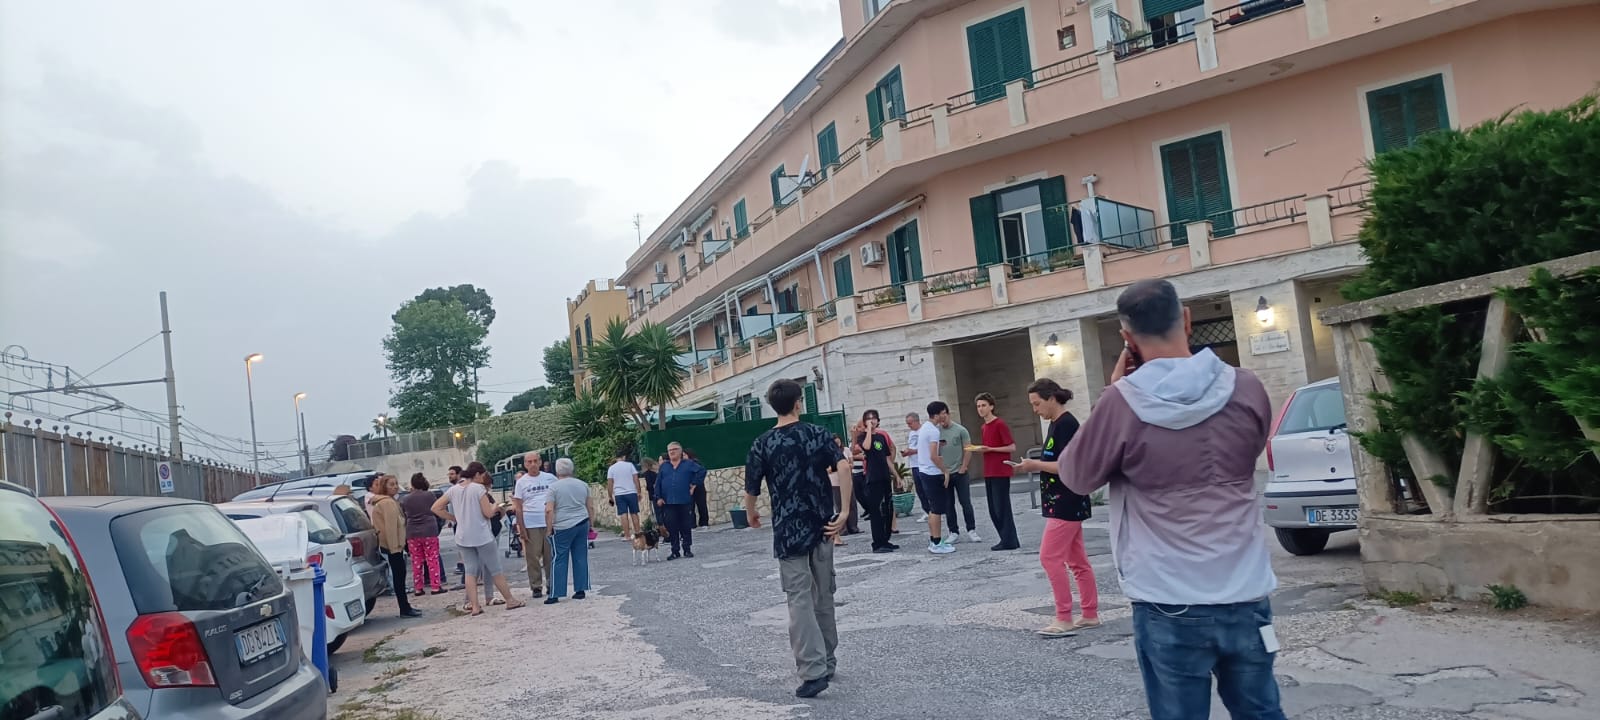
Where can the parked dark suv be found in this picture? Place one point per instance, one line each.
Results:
(55, 651)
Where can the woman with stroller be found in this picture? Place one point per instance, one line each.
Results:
(567, 512)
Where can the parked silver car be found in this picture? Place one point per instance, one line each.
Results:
(55, 655)
(1311, 492)
(201, 624)
(346, 513)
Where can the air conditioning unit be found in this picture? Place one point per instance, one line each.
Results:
(661, 268)
(872, 254)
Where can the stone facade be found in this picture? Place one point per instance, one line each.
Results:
(1553, 560)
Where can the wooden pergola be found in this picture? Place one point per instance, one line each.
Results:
(1362, 375)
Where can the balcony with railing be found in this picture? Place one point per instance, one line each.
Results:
(1050, 100)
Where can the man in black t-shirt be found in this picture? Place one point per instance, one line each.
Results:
(795, 459)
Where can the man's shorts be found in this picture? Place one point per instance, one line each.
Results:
(628, 504)
(935, 498)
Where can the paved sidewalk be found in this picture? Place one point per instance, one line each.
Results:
(947, 637)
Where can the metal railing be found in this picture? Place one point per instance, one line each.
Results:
(1058, 70)
(1348, 195)
(1127, 42)
(921, 114)
(795, 326)
(1273, 211)
(1251, 10)
(1043, 262)
(881, 296)
(956, 280)
(438, 439)
(827, 311)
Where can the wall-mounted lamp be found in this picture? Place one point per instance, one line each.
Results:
(1052, 347)
(1263, 311)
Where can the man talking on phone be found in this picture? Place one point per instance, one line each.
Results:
(1176, 437)
(796, 459)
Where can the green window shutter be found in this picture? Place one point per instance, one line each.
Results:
(983, 53)
(985, 230)
(810, 393)
(827, 149)
(730, 413)
(1011, 30)
(752, 408)
(1402, 113)
(1053, 198)
(1196, 176)
(844, 283)
(1157, 8)
(896, 95)
(741, 218)
(777, 196)
(895, 253)
(874, 114)
(913, 249)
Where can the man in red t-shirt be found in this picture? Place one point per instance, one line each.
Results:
(996, 449)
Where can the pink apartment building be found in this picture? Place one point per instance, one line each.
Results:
(951, 200)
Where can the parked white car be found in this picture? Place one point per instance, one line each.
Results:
(1311, 492)
(344, 600)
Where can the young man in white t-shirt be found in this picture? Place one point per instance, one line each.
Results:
(528, 499)
(622, 487)
(934, 480)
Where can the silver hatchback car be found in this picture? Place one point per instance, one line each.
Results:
(200, 624)
(1311, 492)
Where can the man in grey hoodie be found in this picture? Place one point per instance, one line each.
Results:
(1176, 437)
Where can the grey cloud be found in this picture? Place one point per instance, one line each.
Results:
(766, 21)
(247, 274)
(468, 16)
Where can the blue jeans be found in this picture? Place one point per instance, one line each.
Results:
(1181, 646)
(571, 546)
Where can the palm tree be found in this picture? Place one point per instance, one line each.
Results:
(639, 371)
(660, 373)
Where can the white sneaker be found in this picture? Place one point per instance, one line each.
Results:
(972, 536)
(949, 540)
(940, 549)
(922, 517)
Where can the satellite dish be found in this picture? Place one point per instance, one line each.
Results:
(805, 162)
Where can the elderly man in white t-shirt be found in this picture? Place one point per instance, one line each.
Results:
(528, 499)
(622, 487)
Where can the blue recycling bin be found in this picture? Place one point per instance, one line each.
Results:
(319, 632)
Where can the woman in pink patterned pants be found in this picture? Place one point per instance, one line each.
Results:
(422, 536)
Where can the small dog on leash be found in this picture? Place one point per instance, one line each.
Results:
(644, 546)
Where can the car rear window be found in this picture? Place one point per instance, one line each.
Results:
(1313, 409)
(351, 515)
(52, 650)
(189, 558)
(319, 530)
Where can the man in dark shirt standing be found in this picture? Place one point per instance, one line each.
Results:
(795, 459)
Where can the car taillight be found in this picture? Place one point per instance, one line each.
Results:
(1274, 432)
(167, 649)
(314, 559)
(357, 548)
(328, 610)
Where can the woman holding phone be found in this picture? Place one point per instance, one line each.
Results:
(877, 453)
(1061, 549)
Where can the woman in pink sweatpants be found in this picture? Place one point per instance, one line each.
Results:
(422, 536)
(1061, 549)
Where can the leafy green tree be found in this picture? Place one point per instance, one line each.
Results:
(639, 371)
(558, 370)
(476, 301)
(499, 447)
(434, 351)
(531, 398)
(589, 416)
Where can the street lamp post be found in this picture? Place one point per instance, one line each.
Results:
(249, 385)
(300, 427)
(383, 430)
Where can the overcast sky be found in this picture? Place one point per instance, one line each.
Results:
(290, 172)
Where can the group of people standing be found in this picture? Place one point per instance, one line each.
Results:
(1174, 438)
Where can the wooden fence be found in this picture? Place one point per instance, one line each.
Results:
(52, 463)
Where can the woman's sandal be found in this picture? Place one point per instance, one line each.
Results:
(475, 613)
(1056, 630)
(516, 606)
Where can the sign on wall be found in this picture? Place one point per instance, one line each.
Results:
(1269, 342)
(164, 477)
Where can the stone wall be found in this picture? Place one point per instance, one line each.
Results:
(1555, 561)
(724, 490)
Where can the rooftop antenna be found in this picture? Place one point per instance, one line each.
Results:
(638, 227)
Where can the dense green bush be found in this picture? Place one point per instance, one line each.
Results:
(1515, 191)
(591, 457)
(541, 427)
(498, 447)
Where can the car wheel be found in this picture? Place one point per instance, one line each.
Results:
(1302, 542)
(373, 602)
(337, 643)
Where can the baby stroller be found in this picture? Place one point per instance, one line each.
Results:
(516, 537)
